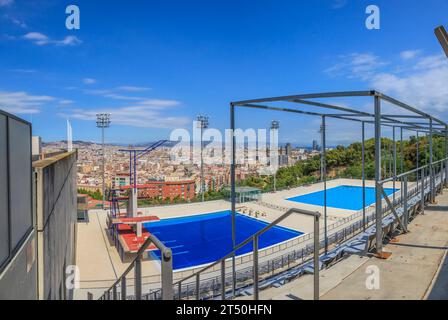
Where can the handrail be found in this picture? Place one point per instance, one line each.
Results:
(411, 171)
(166, 256)
(250, 239)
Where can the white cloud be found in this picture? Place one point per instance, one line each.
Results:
(22, 103)
(37, 38)
(66, 101)
(23, 70)
(146, 114)
(425, 87)
(133, 89)
(89, 81)
(422, 84)
(356, 65)
(15, 21)
(68, 41)
(409, 54)
(41, 39)
(338, 4)
(4, 3)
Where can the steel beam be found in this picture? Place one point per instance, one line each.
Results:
(442, 36)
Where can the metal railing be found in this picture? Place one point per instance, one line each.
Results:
(254, 239)
(118, 291)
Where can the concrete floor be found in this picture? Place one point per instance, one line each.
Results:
(417, 268)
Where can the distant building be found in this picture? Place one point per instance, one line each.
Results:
(288, 149)
(167, 190)
(36, 146)
(315, 145)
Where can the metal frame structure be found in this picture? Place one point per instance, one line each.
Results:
(102, 122)
(407, 118)
(134, 155)
(203, 123)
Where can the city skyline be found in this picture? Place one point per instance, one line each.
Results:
(157, 74)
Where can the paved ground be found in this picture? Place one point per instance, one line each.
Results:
(417, 269)
(412, 270)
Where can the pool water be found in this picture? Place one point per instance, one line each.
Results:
(341, 197)
(205, 238)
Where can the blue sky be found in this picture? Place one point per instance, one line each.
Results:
(155, 65)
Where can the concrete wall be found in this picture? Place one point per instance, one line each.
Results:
(56, 207)
(19, 280)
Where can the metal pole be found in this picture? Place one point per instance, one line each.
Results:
(202, 164)
(446, 156)
(135, 171)
(138, 278)
(232, 182)
(316, 257)
(405, 203)
(378, 207)
(255, 266)
(104, 166)
(324, 176)
(422, 200)
(431, 169)
(167, 275)
(401, 158)
(223, 279)
(418, 158)
(363, 178)
(395, 162)
(123, 288)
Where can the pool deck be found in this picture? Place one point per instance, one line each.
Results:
(100, 265)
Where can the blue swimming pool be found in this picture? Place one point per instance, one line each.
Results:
(205, 238)
(341, 197)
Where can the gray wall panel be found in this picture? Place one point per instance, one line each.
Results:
(20, 180)
(4, 233)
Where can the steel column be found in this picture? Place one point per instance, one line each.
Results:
(324, 176)
(316, 257)
(232, 196)
(202, 164)
(378, 209)
(255, 266)
(123, 288)
(167, 275)
(446, 156)
(405, 202)
(395, 162)
(363, 178)
(401, 159)
(104, 167)
(418, 158)
(223, 279)
(431, 169)
(138, 279)
(422, 200)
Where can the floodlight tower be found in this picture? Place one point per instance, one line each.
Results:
(102, 122)
(203, 122)
(275, 125)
